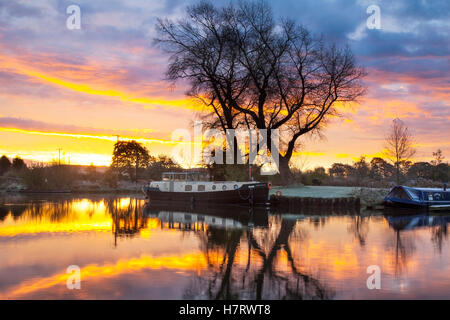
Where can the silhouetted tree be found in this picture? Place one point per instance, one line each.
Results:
(18, 164)
(5, 165)
(399, 146)
(129, 157)
(159, 165)
(441, 172)
(380, 169)
(438, 157)
(361, 170)
(248, 69)
(422, 170)
(340, 170)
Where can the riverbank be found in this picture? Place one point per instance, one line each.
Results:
(123, 187)
(369, 197)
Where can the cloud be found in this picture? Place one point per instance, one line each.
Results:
(38, 127)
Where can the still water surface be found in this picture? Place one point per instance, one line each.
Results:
(127, 250)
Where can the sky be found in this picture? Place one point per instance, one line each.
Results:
(77, 90)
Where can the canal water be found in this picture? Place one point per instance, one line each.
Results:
(122, 248)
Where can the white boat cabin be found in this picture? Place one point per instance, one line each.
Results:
(193, 182)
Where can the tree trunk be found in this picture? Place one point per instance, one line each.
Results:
(285, 171)
(397, 173)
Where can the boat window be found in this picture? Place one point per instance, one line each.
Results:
(413, 194)
(166, 177)
(400, 194)
(404, 195)
(235, 187)
(201, 187)
(224, 187)
(188, 187)
(180, 177)
(394, 193)
(214, 187)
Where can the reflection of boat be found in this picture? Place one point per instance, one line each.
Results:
(428, 198)
(183, 219)
(216, 216)
(416, 221)
(191, 187)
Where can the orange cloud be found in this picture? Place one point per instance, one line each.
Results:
(90, 136)
(87, 74)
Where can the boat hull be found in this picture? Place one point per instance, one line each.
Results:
(254, 194)
(408, 204)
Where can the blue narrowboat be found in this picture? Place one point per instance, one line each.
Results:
(425, 198)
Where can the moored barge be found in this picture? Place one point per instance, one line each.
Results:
(422, 198)
(192, 187)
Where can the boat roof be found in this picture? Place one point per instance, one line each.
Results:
(426, 189)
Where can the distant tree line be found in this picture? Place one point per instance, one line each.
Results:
(378, 173)
(132, 162)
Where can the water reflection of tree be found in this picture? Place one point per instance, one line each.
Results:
(360, 228)
(403, 248)
(127, 220)
(439, 234)
(261, 276)
(403, 243)
(318, 221)
(4, 211)
(36, 210)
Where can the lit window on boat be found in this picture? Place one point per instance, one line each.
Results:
(180, 177)
(188, 187)
(201, 187)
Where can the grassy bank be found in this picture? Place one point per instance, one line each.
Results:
(370, 197)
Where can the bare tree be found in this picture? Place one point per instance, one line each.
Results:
(399, 145)
(438, 158)
(245, 66)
